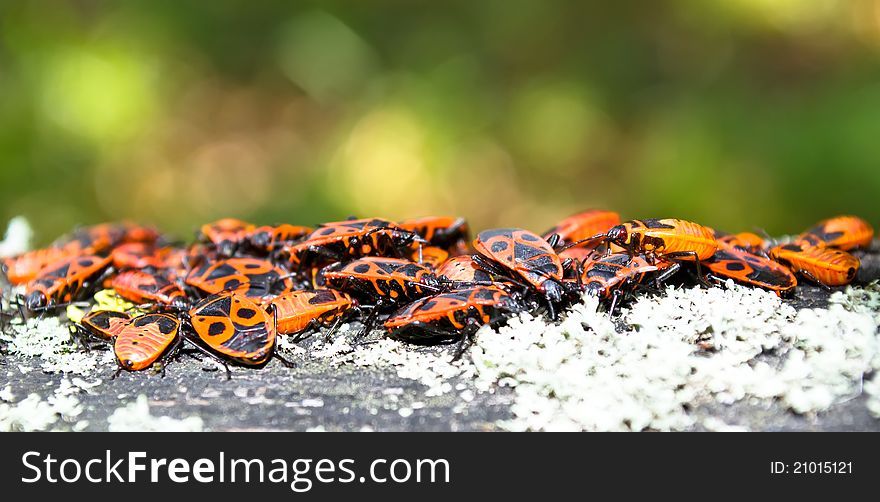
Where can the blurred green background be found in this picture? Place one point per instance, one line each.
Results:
(737, 114)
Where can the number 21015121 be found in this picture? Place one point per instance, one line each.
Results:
(810, 467)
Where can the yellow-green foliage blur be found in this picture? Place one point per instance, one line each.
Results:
(737, 114)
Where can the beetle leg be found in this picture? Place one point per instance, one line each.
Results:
(615, 299)
(679, 256)
(313, 252)
(273, 282)
(370, 321)
(310, 330)
(83, 336)
(666, 274)
(567, 264)
(148, 306)
(285, 362)
(813, 278)
(578, 285)
(190, 354)
(468, 284)
(491, 267)
(432, 289)
(467, 337)
(19, 304)
(78, 303)
(90, 286)
(335, 326)
(208, 353)
(377, 241)
(589, 243)
(361, 286)
(553, 314)
(79, 336)
(275, 352)
(303, 335)
(713, 277)
(172, 353)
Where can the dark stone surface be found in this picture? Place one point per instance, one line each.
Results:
(271, 398)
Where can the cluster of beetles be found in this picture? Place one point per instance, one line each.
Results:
(230, 293)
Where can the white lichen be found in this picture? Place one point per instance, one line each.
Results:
(683, 349)
(35, 413)
(7, 395)
(136, 417)
(49, 340)
(432, 370)
(679, 351)
(30, 414)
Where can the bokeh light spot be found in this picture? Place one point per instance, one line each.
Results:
(324, 56)
(383, 165)
(102, 95)
(554, 123)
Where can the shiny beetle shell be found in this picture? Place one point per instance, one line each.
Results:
(603, 275)
(351, 239)
(441, 231)
(523, 252)
(735, 263)
(463, 269)
(584, 225)
(747, 241)
(139, 255)
(843, 232)
(25, 267)
(431, 256)
(269, 238)
(226, 234)
(144, 287)
(391, 278)
(235, 327)
(63, 281)
(105, 324)
(252, 277)
(142, 341)
(827, 266)
(297, 310)
(446, 314)
(682, 239)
